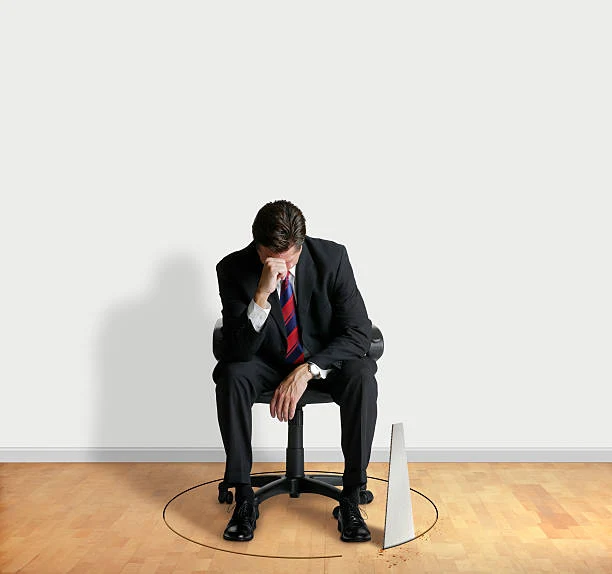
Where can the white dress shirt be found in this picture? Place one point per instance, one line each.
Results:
(258, 315)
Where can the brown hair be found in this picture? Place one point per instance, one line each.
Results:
(279, 225)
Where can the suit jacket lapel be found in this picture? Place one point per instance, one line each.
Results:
(304, 275)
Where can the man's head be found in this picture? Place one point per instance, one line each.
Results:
(279, 230)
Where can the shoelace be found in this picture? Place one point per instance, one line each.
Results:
(243, 509)
(354, 514)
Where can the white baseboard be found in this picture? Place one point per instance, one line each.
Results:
(195, 454)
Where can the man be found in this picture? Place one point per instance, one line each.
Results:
(293, 317)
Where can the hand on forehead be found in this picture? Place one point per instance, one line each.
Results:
(290, 257)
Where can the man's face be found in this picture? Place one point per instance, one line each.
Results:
(290, 256)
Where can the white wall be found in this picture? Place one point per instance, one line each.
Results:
(460, 149)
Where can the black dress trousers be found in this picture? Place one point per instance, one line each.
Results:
(353, 388)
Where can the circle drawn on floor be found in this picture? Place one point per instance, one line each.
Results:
(297, 528)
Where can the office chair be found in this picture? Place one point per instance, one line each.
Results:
(294, 482)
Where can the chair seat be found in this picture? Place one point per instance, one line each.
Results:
(310, 396)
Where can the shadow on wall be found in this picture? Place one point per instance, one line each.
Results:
(153, 366)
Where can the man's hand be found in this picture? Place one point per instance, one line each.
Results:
(273, 270)
(289, 392)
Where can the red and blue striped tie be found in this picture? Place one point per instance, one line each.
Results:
(295, 352)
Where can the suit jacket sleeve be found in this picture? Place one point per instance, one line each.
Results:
(240, 340)
(352, 328)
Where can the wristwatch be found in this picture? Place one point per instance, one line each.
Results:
(314, 371)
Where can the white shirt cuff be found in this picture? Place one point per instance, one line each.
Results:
(325, 372)
(258, 315)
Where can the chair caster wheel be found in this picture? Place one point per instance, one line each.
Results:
(225, 495)
(365, 496)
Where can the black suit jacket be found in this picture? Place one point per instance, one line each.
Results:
(332, 318)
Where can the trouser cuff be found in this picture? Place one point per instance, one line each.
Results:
(236, 480)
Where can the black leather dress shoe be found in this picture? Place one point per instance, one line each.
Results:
(242, 523)
(350, 522)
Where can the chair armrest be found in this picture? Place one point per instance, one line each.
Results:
(377, 344)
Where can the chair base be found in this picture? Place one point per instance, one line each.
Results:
(271, 485)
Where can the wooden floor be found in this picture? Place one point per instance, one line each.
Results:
(493, 517)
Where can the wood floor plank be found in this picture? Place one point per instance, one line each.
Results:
(493, 517)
